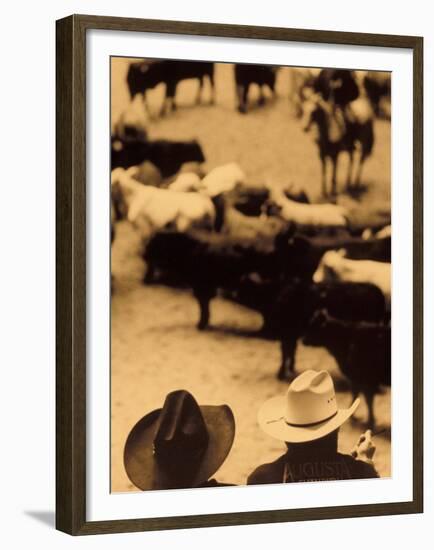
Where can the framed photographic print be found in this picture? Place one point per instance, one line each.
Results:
(239, 339)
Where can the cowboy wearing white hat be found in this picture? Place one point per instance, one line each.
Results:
(307, 419)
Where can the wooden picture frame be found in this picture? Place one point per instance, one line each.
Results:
(71, 273)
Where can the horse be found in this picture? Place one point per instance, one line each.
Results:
(340, 129)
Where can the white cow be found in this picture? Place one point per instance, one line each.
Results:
(188, 181)
(151, 209)
(335, 266)
(307, 215)
(223, 179)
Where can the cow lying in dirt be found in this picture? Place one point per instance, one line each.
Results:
(306, 216)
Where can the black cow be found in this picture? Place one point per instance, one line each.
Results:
(245, 75)
(288, 306)
(362, 351)
(345, 301)
(144, 76)
(304, 253)
(265, 278)
(206, 262)
(167, 156)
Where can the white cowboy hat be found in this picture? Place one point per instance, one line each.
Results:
(307, 412)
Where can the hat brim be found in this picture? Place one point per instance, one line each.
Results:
(145, 472)
(271, 418)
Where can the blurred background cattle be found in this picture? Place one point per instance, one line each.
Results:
(251, 240)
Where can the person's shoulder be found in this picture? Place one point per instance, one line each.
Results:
(358, 468)
(272, 472)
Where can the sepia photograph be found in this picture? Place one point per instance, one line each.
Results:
(250, 274)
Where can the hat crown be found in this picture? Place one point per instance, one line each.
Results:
(182, 436)
(310, 399)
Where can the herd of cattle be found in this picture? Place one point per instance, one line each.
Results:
(312, 271)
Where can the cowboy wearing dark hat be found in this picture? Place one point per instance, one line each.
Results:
(180, 445)
(308, 419)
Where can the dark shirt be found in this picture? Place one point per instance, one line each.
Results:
(338, 83)
(333, 467)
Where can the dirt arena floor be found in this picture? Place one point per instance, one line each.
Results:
(155, 345)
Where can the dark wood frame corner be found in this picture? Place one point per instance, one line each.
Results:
(71, 273)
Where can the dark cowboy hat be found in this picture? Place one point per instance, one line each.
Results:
(181, 445)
